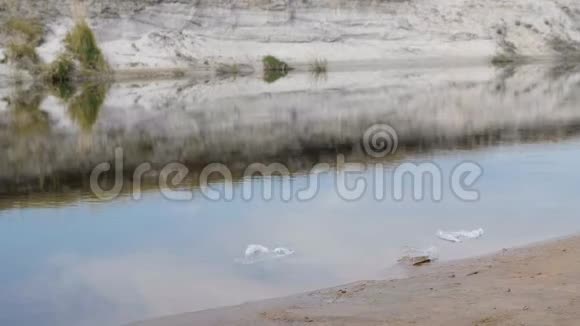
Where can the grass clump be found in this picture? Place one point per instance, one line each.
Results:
(60, 70)
(24, 36)
(59, 75)
(272, 63)
(274, 68)
(30, 30)
(82, 44)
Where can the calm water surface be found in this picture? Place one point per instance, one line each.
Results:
(68, 260)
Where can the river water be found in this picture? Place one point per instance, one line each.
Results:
(69, 257)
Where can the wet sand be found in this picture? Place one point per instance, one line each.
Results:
(535, 285)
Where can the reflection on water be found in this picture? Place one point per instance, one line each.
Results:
(274, 75)
(27, 118)
(84, 108)
(294, 119)
(69, 260)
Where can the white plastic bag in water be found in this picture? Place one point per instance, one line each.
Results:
(255, 250)
(257, 253)
(459, 236)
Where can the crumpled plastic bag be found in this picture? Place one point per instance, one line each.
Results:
(459, 236)
(255, 253)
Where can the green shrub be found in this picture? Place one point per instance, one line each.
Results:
(60, 71)
(81, 42)
(60, 75)
(272, 63)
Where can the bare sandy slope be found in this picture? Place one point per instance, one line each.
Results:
(162, 34)
(538, 285)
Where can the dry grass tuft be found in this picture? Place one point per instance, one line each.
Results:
(82, 44)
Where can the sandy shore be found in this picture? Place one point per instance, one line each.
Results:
(536, 285)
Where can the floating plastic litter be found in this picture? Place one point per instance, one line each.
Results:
(256, 253)
(459, 236)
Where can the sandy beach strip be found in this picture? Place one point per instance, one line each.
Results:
(535, 285)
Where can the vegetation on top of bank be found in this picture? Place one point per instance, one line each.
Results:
(82, 44)
(274, 68)
(24, 35)
(272, 63)
(81, 59)
(60, 71)
(30, 29)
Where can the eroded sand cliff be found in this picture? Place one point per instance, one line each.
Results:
(201, 33)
